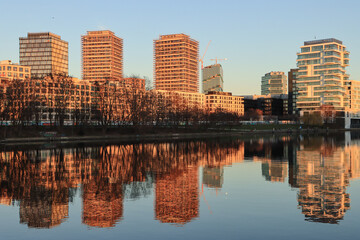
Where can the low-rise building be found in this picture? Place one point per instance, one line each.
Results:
(224, 101)
(12, 70)
(270, 105)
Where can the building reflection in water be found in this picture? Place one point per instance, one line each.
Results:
(42, 182)
(323, 174)
(177, 196)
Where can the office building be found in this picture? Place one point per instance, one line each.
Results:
(274, 83)
(12, 71)
(212, 78)
(176, 59)
(322, 75)
(45, 53)
(102, 56)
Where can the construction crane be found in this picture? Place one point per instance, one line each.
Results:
(202, 59)
(218, 59)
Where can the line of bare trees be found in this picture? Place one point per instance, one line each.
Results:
(57, 99)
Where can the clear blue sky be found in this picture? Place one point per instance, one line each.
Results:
(255, 36)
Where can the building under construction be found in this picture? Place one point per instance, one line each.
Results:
(212, 78)
(102, 56)
(176, 59)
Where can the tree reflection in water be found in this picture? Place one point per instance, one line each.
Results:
(42, 182)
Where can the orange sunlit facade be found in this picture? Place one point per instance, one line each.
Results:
(177, 196)
(102, 56)
(176, 59)
(46, 53)
(224, 101)
(11, 70)
(136, 83)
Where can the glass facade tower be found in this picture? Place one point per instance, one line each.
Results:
(212, 78)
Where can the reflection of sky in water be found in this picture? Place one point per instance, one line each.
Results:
(250, 198)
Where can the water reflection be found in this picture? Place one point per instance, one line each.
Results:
(42, 182)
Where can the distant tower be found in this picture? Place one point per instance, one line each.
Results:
(212, 78)
(45, 53)
(274, 83)
(176, 66)
(102, 56)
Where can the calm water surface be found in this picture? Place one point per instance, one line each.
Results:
(296, 187)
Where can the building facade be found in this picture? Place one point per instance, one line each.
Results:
(353, 91)
(292, 75)
(176, 60)
(322, 75)
(212, 78)
(224, 101)
(180, 99)
(274, 83)
(102, 56)
(270, 105)
(45, 53)
(12, 71)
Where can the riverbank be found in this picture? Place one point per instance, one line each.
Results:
(53, 137)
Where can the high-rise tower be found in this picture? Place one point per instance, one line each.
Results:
(176, 60)
(45, 53)
(322, 76)
(102, 56)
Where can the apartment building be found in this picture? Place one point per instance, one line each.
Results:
(322, 75)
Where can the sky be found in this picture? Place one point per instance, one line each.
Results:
(255, 36)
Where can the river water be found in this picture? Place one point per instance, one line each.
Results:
(271, 187)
